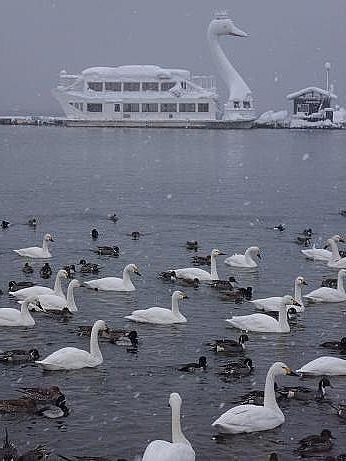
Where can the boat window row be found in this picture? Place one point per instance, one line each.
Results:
(145, 107)
(133, 86)
(237, 104)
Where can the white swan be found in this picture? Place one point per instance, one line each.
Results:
(71, 358)
(115, 283)
(274, 303)
(246, 260)
(254, 418)
(40, 290)
(192, 273)
(54, 302)
(15, 318)
(180, 448)
(265, 323)
(37, 252)
(321, 254)
(331, 366)
(160, 315)
(329, 295)
(335, 261)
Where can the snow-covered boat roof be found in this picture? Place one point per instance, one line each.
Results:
(310, 89)
(135, 72)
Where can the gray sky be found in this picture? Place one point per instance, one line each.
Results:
(289, 39)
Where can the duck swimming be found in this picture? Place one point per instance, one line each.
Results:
(46, 271)
(37, 252)
(246, 260)
(330, 366)
(306, 393)
(94, 234)
(329, 295)
(192, 273)
(192, 245)
(15, 286)
(32, 222)
(5, 224)
(315, 444)
(225, 284)
(254, 418)
(27, 269)
(118, 337)
(14, 318)
(336, 345)
(237, 369)
(19, 356)
(51, 394)
(238, 295)
(229, 346)
(115, 283)
(107, 251)
(191, 367)
(160, 315)
(180, 448)
(89, 268)
(40, 290)
(71, 358)
(34, 407)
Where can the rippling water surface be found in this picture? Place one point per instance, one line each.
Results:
(222, 188)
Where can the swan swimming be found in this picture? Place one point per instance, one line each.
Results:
(115, 283)
(335, 261)
(321, 254)
(246, 260)
(254, 418)
(15, 318)
(192, 273)
(37, 252)
(180, 448)
(274, 303)
(71, 358)
(160, 315)
(265, 323)
(37, 290)
(330, 366)
(330, 295)
(54, 302)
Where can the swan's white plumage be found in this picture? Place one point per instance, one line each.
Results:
(39, 290)
(54, 302)
(37, 252)
(335, 261)
(192, 273)
(331, 366)
(246, 260)
(17, 318)
(320, 254)
(115, 283)
(330, 295)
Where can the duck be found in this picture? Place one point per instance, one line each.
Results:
(71, 358)
(118, 337)
(330, 366)
(254, 418)
(27, 405)
(19, 356)
(37, 252)
(201, 260)
(5, 224)
(280, 227)
(168, 276)
(321, 254)
(180, 448)
(246, 260)
(8, 451)
(50, 394)
(94, 234)
(306, 393)
(107, 251)
(265, 323)
(58, 303)
(14, 318)
(238, 295)
(192, 273)
(192, 245)
(330, 282)
(115, 283)
(191, 367)
(225, 284)
(273, 303)
(256, 397)
(314, 444)
(15, 286)
(237, 369)
(46, 271)
(160, 315)
(329, 295)
(303, 240)
(335, 261)
(27, 269)
(89, 268)
(229, 346)
(40, 290)
(70, 270)
(32, 222)
(340, 409)
(336, 345)
(113, 217)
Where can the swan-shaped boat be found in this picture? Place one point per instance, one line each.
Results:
(265, 323)
(160, 315)
(17, 318)
(37, 290)
(71, 358)
(330, 366)
(246, 261)
(321, 254)
(115, 283)
(274, 303)
(329, 295)
(254, 418)
(58, 303)
(335, 261)
(37, 252)
(193, 273)
(180, 448)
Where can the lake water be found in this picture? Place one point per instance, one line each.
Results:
(222, 188)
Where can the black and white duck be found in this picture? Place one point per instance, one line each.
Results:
(94, 234)
(113, 217)
(46, 271)
(118, 337)
(279, 227)
(107, 251)
(237, 369)
(306, 393)
(312, 445)
(229, 346)
(224, 284)
(192, 245)
(336, 345)
(89, 268)
(15, 286)
(238, 295)
(15, 356)
(32, 222)
(27, 269)
(5, 224)
(135, 235)
(192, 367)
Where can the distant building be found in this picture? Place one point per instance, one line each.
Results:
(312, 104)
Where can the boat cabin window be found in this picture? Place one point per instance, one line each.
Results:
(203, 107)
(150, 107)
(131, 86)
(94, 107)
(113, 86)
(166, 86)
(95, 86)
(246, 104)
(134, 107)
(169, 107)
(150, 86)
(78, 105)
(236, 104)
(187, 107)
(116, 107)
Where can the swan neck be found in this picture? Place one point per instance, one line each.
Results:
(45, 245)
(340, 285)
(335, 251)
(283, 320)
(127, 279)
(94, 344)
(175, 306)
(70, 299)
(24, 311)
(177, 433)
(57, 286)
(213, 273)
(269, 392)
(298, 292)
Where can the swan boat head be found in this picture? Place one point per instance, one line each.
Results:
(223, 25)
